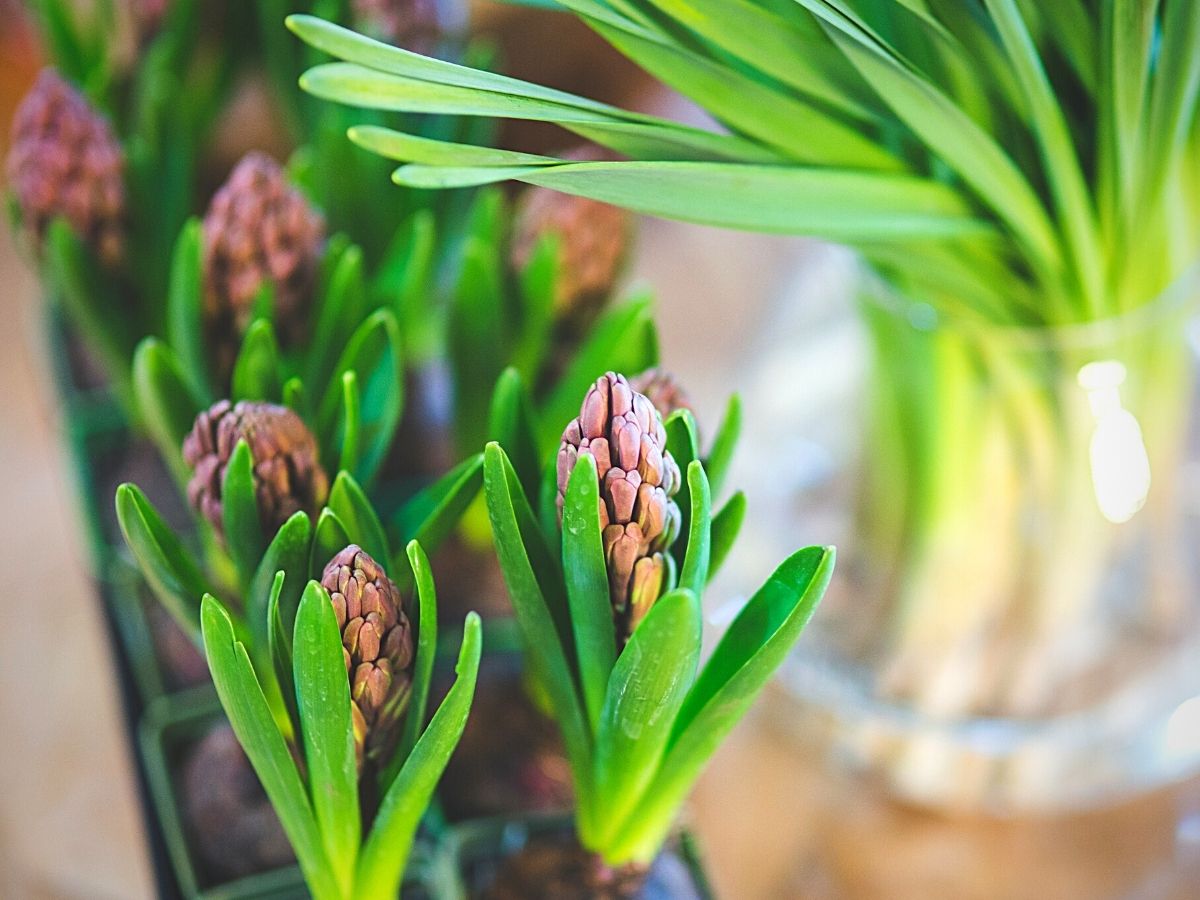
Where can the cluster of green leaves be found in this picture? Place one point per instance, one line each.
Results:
(639, 723)
(304, 751)
(1009, 161)
(500, 322)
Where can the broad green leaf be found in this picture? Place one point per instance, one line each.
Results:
(425, 84)
(746, 657)
(168, 568)
(422, 675)
(358, 517)
(1174, 92)
(373, 354)
(165, 403)
(256, 371)
(587, 585)
(834, 204)
(724, 443)
(477, 337)
(537, 289)
(296, 399)
(517, 543)
(694, 573)
(287, 553)
(244, 536)
(432, 515)
(648, 684)
(323, 697)
(404, 279)
(329, 539)
(185, 309)
(248, 712)
(683, 443)
(511, 425)
(725, 527)
(381, 864)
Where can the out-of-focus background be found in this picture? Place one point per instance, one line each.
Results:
(776, 818)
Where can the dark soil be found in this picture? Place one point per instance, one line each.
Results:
(467, 579)
(510, 759)
(232, 828)
(555, 867)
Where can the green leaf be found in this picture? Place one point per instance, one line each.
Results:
(165, 403)
(381, 865)
(358, 517)
(340, 306)
(94, 304)
(725, 527)
(587, 585)
(648, 685)
(433, 514)
(414, 148)
(405, 280)
(528, 575)
(746, 657)
(538, 283)
(351, 422)
(287, 553)
(246, 706)
(427, 638)
(694, 574)
(329, 539)
(244, 536)
(835, 204)
(373, 354)
(168, 568)
(683, 443)
(185, 309)
(279, 646)
(720, 455)
(623, 340)
(511, 425)
(323, 696)
(256, 371)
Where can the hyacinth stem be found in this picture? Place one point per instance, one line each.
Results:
(982, 517)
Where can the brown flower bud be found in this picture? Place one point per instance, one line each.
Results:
(65, 161)
(592, 238)
(258, 229)
(416, 25)
(639, 518)
(377, 644)
(661, 388)
(288, 476)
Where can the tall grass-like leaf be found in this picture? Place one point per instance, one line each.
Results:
(511, 424)
(242, 698)
(426, 651)
(743, 661)
(835, 204)
(648, 684)
(694, 573)
(587, 585)
(724, 443)
(323, 696)
(1064, 173)
(430, 516)
(725, 527)
(329, 538)
(341, 303)
(381, 865)
(351, 428)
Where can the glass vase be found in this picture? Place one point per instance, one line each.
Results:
(1015, 622)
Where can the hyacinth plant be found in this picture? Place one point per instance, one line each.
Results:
(264, 504)
(346, 759)
(608, 600)
(1023, 178)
